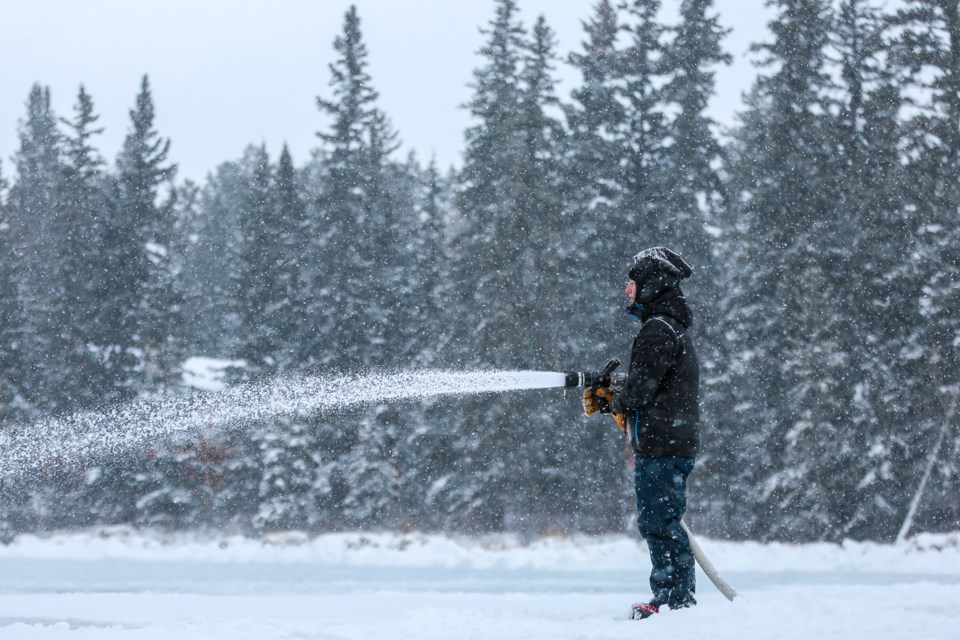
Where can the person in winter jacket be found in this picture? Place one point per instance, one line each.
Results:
(658, 408)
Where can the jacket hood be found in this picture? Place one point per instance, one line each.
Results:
(656, 271)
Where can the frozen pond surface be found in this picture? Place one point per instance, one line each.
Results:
(433, 588)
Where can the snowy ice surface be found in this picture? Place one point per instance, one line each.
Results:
(122, 584)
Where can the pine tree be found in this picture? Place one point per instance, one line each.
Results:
(84, 210)
(266, 297)
(870, 205)
(489, 261)
(695, 152)
(510, 200)
(432, 259)
(643, 138)
(592, 163)
(38, 198)
(596, 115)
(288, 490)
(190, 224)
(256, 288)
(212, 259)
(502, 164)
(354, 228)
(927, 51)
(786, 357)
(9, 318)
(146, 317)
(356, 281)
(287, 315)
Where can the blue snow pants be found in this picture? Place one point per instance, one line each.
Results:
(661, 485)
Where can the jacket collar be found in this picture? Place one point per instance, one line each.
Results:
(670, 303)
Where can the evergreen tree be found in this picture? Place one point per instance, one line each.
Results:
(643, 138)
(189, 225)
(145, 320)
(878, 232)
(596, 115)
(510, 200)
(490, 244)
(351, 234)
(266, 296)
(84, 210)
(431, 251)
(290, 486)
(8, 308)
(212, 259)
(287, 316)
(355, 284)
(927, 50)
(593, 161)
(507, 165)
(256, 289)
(695, 153)
(786, 359)
(38, 198)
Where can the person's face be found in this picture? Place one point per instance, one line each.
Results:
(631, 290)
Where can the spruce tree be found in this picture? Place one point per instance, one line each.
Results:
(256, 287)
(9, 318)
(870, 205)
(351, 234)
(145, 314)
(927, 51)
(695, 190)
(84, 210)
(288, 489)
(596, 115)
(355, 280)
(510, 200)
(287, 315)
(642, 140)
(592, 161)
(38, 198)
(266, 292)
(786, 358)
(489, 262)
(212, 259)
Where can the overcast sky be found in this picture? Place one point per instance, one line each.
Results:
(228, 73)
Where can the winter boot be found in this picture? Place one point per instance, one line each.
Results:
(643, 610)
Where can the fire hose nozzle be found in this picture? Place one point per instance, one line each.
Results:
(595, 379)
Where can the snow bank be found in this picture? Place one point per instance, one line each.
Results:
(934, 554)
(205, 373)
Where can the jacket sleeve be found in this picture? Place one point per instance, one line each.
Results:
(653, 356)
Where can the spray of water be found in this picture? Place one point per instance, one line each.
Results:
(92, 436)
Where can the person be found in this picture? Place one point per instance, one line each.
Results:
(658, 407)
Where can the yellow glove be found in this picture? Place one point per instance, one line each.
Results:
(606, 398)
(590, 405)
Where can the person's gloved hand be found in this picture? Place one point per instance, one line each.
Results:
(596, 400)
(605, 399)
(591, 404)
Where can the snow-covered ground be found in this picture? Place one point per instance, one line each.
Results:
(120, 584)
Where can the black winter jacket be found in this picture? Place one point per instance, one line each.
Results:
(661, 394)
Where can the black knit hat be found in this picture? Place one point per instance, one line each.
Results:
(656, 270)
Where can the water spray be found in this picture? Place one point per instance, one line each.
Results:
(113, 432)
(89, 437)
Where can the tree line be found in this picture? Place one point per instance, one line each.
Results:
(822, 229)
